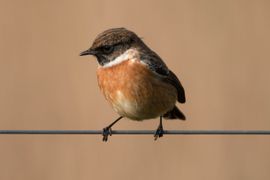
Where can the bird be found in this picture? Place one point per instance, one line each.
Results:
(134, 79)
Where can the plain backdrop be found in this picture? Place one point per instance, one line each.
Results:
(218, 49)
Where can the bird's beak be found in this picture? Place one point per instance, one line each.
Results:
(88, 52)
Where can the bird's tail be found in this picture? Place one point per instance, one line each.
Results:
(175, 113)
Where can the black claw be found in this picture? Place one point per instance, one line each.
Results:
(159, 132)
(106, 132)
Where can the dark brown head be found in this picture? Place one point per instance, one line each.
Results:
(111, 43)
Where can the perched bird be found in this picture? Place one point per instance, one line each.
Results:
(134, 79)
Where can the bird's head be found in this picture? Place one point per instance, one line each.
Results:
(112, 43)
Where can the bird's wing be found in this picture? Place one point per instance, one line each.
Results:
(172, 79)
(156, 64)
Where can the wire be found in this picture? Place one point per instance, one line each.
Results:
(140, 132)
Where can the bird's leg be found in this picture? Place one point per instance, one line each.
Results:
(159, 131)
(108, 130)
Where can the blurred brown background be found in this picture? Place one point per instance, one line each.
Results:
(218, 49)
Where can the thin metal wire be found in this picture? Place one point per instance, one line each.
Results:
(139, 132)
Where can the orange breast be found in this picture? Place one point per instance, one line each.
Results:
(134, 91)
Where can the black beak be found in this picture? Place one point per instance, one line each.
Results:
(87, 52)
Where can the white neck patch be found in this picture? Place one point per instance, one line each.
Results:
(130, 54)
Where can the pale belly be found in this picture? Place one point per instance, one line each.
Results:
(136, 92)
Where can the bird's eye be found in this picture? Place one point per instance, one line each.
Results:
(107, 49)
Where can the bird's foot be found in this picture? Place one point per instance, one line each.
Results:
(106, 132)
(159, 132)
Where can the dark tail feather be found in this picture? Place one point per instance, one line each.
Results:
(175, 113)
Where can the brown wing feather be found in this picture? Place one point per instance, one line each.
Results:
(156, 64)
(172, 79)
